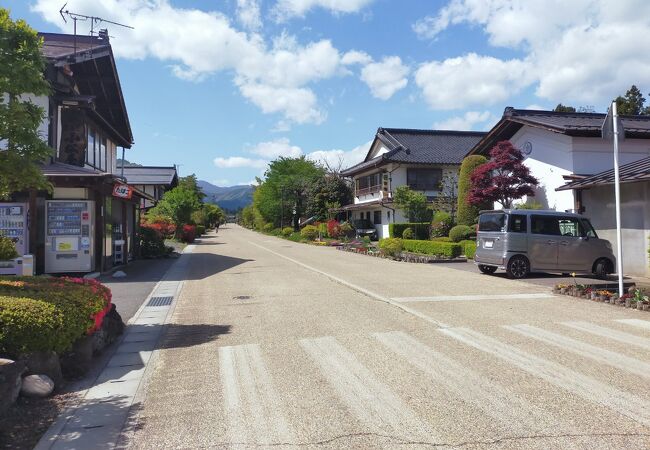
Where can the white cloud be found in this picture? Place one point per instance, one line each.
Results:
(238, 161)
(286, 9)
(221, 182)
(355, 57)
(278, 147)
(248, 14)
(576, 51)
(467, 121)
(276, 78)
(456, 83)
(386, 77)
(346, 158)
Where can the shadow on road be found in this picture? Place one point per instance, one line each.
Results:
(178, 335)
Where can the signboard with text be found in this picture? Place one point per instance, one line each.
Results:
(122, 191)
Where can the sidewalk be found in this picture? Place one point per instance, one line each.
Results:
(99, 419)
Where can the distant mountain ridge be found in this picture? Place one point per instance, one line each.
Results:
(230, 198)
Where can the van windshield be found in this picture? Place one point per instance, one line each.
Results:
(492, 222)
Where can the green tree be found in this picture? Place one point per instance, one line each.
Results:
(631, 104)
(282, 196)
(414, 204)
(191, 183)
(562, 108)
(22, 70)
(327, 192)
(177, 204)
(467, 213)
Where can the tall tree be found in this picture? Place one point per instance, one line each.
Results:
(632, 103)
(178, 205)
(22, 70)
(468, 213)
(503, 178)
(191, 183)
(282, 196)
(324, 193)
(563, 108)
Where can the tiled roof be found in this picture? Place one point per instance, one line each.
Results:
(149, 175)
(571, 124)
(420, 147)
(57, 45)
(629, 173)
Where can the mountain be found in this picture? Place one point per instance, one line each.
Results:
(229, 198)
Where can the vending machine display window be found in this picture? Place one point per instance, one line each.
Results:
(13, 224)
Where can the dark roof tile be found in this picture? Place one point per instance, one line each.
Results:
(629, 173)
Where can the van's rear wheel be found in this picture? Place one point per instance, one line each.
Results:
(518, 267)
(602, 268)
(487, 269)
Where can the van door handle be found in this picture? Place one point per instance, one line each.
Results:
(549, 242)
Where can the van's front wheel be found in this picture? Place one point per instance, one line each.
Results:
(487, 269)
(603, 268)
(518, 267)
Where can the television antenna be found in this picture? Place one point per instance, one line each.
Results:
(94, 21)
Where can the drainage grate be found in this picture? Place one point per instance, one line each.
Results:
(160, 301)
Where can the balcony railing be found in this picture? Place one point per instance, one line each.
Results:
(368, 190)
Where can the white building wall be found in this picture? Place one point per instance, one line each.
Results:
(635, 219)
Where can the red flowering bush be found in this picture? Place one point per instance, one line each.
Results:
(164, 227)
(333, 228)
(188, 234)
(43, 313)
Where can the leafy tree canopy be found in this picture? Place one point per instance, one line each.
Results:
(326, 192)
(503, 178)
(178, 205)
(22, 70)
(191, 184)
(632, 102)
(413, 203)
(468, 213)
(561, 108)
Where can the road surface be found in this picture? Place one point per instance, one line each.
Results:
(274, 344)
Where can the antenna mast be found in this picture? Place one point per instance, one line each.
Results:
(94, 20)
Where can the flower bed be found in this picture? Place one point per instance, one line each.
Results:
(634, 298)
(49, 314)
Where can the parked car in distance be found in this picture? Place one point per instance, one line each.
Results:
(363, 227)
(523, 241)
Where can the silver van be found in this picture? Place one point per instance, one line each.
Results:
(523, 241)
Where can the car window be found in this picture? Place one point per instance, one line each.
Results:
(517, 223)
(589, 229)
(570, 226)
(544, 225)
(492, 222)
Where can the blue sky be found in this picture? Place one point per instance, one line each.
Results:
(220, 87)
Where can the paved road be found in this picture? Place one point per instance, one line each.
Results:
(274, 344)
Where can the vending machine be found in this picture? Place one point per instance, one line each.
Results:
(69, 236)
(13, 224)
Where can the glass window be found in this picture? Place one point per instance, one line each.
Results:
(102, 154)
(570, 227)
(424, 179)
(492, 222)
(377, 218)
(90, 151)
(544, 225)
(589, 229)
(97, 150)
(517, 223)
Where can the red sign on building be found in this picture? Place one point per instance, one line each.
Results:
(122, 191)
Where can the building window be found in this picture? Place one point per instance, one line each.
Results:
(368, 184)
(424, 179)
(377, 218)
(96, 153)
(90, 151)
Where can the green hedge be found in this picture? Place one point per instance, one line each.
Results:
(80, 304)
(436, 248)
(469, 247)
(421, 230)
(391, 246)
(200, 229)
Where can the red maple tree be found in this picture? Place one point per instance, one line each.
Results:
(503, 178)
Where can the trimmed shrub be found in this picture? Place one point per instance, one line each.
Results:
(287, 231)
(346, 230)
(165, 227)
(322, 229)
(441, 224)
(81, 304)
(442, 239)
(460, 233)
(408, 233)
(467, 214)
(188, 234)
(309, 232)
(420, 230)
(7, 249)
(152, 244)
(445, 249)
(267, 227)
(200, 230)
(391, 246)
(469, 248)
